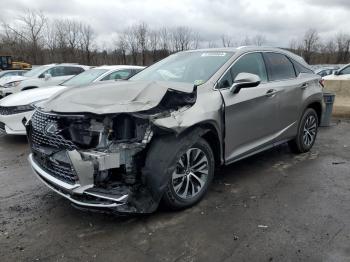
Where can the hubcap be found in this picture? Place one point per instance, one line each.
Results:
(310, 129)
(191, 173)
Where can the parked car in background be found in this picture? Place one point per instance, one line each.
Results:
(17, 106)
(341, 74)
(7, 73)
(46, 75)
(103, 73)
(325, 71)
(126, 146)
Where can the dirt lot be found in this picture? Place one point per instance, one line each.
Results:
(271, 207)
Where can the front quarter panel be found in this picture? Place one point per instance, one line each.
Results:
(207, 109)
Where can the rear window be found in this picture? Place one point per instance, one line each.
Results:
(299, 68)
(279, 67)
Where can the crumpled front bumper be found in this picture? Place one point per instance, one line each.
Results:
(82, 195)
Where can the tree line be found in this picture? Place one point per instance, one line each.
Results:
(34, 38)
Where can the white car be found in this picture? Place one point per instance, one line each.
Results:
(42, 76)
(17, 106)
(341, 74)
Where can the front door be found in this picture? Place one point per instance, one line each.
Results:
(251, 115)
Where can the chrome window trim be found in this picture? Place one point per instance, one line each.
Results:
(252, 52)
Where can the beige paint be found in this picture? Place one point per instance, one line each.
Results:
(341, 88)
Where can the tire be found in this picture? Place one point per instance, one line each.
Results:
(307, 132)
(189, 183)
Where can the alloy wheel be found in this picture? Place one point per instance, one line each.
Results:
(310, 128)
(191, 173)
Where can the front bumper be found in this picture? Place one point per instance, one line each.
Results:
(80, 195)
(12, 124)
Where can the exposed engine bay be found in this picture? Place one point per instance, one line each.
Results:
(98, 161)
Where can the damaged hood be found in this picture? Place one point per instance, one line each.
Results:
(116, 97)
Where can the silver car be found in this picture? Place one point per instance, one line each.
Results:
(127, 146)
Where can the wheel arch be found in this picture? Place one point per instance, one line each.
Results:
(317, 106)
(211, 135)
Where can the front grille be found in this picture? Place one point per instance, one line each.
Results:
(45, 142)
(40, 137)
(60, 170)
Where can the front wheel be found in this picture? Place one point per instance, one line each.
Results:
(307, 132)
(192, 176)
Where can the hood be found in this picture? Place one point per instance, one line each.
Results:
(9, 79)
(116, 97)
(30, 96)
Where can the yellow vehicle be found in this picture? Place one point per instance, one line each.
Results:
(6, 63)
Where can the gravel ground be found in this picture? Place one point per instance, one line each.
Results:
(274, 206)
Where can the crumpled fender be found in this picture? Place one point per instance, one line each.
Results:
(161, 159)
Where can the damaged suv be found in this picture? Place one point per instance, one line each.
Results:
(126, 146)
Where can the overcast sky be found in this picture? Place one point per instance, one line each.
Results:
(278, 20)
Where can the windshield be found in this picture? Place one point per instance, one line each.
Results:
(84, 78)
(36, 71)
(189, 67)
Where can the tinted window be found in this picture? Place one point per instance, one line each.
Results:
(251, 63)
(299, 68)
(55, 71)
(279, 66)
(86, 77)
(226, 81)
(121, 74)
(73, 70)
(345, 71)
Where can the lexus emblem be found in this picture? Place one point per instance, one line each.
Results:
(51, 129)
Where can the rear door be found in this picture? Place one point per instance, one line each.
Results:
(251, 114)
(287, 78)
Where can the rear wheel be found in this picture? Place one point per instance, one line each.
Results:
(192, 176)
(307, 132)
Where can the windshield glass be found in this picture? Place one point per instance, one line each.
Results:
(84, 78)
(189, 67)
(36, 71)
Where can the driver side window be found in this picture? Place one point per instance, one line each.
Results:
(54, 72)
(252, 63)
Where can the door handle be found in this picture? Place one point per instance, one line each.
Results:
(304, 86)
(271, 92)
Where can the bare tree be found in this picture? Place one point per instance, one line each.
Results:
(226, 41)
(29, 29)
(181, 38)
(154, 43)
(258, 40)
(131, 40)
(122, 46)
(343, 46)
(86, 43)
(310, 44)
(141, 38)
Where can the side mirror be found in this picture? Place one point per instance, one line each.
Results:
(336, 72)
(47, 77)
(244, 80)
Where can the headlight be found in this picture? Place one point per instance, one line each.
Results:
(24, 108)
(12, 84)
(11, 110)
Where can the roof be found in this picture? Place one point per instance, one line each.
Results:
(244, 49)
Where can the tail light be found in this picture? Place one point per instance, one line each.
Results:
(322, 82)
